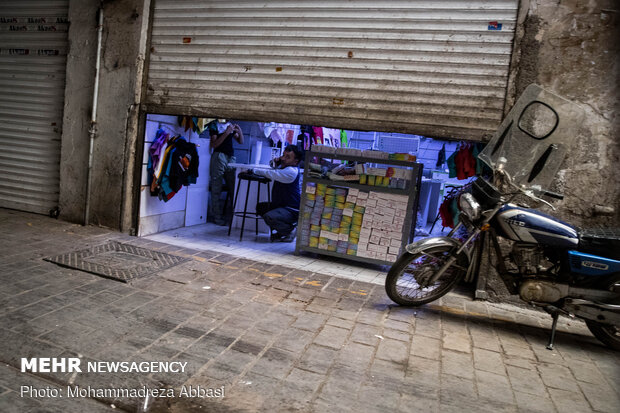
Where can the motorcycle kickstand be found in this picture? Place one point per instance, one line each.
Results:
(554, 314)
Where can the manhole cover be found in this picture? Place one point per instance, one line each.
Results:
(118, 261)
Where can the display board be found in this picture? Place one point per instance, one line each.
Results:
(369, 217)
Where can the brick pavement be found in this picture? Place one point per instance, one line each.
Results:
(276, 338)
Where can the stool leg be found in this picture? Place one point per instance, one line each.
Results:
(234, 206)
(245, 210)
(269, 200)
(268, 195)
(257, 201)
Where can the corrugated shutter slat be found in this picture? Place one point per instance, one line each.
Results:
(435, 68)
(33, 49)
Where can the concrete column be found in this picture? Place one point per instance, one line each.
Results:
(120, 87)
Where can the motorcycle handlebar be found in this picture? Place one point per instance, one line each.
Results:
(553, 195)
(533, 193)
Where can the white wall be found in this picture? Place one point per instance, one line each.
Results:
(189, 205)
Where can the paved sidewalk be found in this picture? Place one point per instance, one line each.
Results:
(211, 237)
(275, 338)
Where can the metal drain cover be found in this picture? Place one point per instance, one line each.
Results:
(122, 262)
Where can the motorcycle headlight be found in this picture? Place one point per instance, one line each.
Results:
(469, 206)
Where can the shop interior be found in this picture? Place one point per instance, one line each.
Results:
(184, 217)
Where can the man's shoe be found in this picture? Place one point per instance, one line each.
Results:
(290, 237)
(275, 236)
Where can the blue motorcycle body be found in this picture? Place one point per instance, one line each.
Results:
(536, 228)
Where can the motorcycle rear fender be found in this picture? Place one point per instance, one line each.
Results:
(426, 243)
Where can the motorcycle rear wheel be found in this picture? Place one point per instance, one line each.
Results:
(609, 334)
(402, 286)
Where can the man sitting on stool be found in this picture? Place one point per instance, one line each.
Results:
(282, 214)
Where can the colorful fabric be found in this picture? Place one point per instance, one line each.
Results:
(451, 162)
(290, 134)
(446, 214)
(195, 124)
(177, 167)
(157, 147)
(318, 135)
(475, 152)
(471, 162)
(344, 139)
(459, 160)
(441, 156)
(463, 163)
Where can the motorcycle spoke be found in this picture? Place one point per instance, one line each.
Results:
(409, 281)
(460, 267)
(428, 254)
(409, 287)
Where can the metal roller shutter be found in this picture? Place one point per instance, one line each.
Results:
(33, 50)
(437, 68)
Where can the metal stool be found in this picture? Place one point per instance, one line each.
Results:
(245, 176)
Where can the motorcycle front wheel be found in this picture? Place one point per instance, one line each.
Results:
(403, 281)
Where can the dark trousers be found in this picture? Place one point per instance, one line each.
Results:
(282, 219)
(219, 169)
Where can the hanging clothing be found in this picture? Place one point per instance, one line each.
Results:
(161, 167)
(177, 167)
(469, 164)
(279, 132)
(459, 160)
(158, 146)
(475, 152)
(289, 136)
(195, 124)
(446, 215)
(462, 164)
(202, 124)
(333, 135)
(318, 135)
(451, 162)
(449, 210)
(344, 139)
(304, 138)
(441, 157)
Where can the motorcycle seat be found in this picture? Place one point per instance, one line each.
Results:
(600, 241)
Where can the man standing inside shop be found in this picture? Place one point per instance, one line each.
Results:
(282, 213)
(222, 134)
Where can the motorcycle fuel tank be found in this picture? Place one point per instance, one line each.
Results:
(527, 225)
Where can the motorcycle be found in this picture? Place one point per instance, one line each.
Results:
(550, 264)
